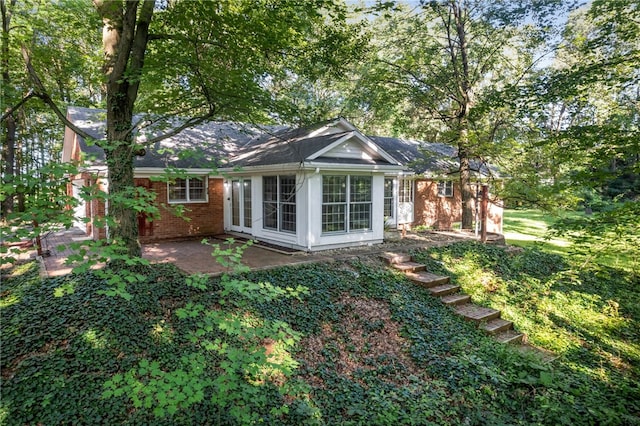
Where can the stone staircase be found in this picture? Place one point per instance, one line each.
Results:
(487, 319)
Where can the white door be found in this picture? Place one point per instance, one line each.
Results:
(241, 219)
(80, 209)
(405, 201)
(390, 204)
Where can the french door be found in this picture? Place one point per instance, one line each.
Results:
(405, 201)
(241, 216)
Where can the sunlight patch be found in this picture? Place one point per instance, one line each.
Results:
(92, 338)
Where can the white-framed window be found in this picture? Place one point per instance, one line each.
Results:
(445, 188)
(406, 191)
(346, 203)
(279, 203)
(192, 189)
(389, 199)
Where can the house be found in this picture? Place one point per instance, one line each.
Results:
(319, 187)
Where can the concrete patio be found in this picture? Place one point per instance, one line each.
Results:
(192, 256)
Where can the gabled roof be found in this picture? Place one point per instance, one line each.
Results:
(217, 144)
(334, 141)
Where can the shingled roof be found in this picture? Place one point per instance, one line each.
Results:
(207, 145)
(227, 144)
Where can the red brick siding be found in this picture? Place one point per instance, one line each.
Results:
(204, 218)
(441, 213)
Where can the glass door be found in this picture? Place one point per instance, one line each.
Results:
(241, 219)
(405, 201)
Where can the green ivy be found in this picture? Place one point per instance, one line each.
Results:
(196, 353)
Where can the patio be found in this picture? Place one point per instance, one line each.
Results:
(192, 256)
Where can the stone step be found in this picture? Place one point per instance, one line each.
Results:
(510, 336)
(476, 313)
(427, 279)
(409, 266)
(496, 326)
(456, 299)
(444, 290)
(393, 258)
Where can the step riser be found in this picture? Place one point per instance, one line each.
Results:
(488, 317)
(477, 314)
(515, 340)
(428, 281)
(444, 292)
(428, 284)
(489, 329)
(392, 258)
(457, 301)
(409, 268)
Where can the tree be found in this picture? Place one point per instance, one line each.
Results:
(596, 80)
(194, 58)
(447, 70)
(60, 39)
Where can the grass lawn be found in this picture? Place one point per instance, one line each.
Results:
(528, 228)
(345, 343)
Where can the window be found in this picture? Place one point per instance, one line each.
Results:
(346, 203)
(445, 188)
(388, 199)
(188, 190)
(406, 191)
(279, 203)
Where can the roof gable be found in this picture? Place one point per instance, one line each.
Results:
(354, 145)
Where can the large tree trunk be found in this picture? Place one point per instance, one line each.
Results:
(465, 103)
(124, 37)
(465, 187)
(119, 155)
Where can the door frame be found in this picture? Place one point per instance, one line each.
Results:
(242, 198)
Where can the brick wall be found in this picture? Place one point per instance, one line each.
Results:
(441, 213)
(203, 218)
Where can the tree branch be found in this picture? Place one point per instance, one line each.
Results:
(138, 48)
(11, 110)
(41, 93)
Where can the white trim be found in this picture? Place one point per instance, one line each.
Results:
(446, 184)
(147, 172)
(331, 146)
(312, 166)
(188, 200)
(364, 141)
(325, 167)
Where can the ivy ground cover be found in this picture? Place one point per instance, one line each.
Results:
(347, 343)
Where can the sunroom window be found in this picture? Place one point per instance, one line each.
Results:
(192, 189)
(279, 203)
(346, 203)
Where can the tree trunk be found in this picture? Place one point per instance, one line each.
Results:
(125, 37)
(124, 228)
(465, 103)
(465, 180)
(8, 160)
(9, 130)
